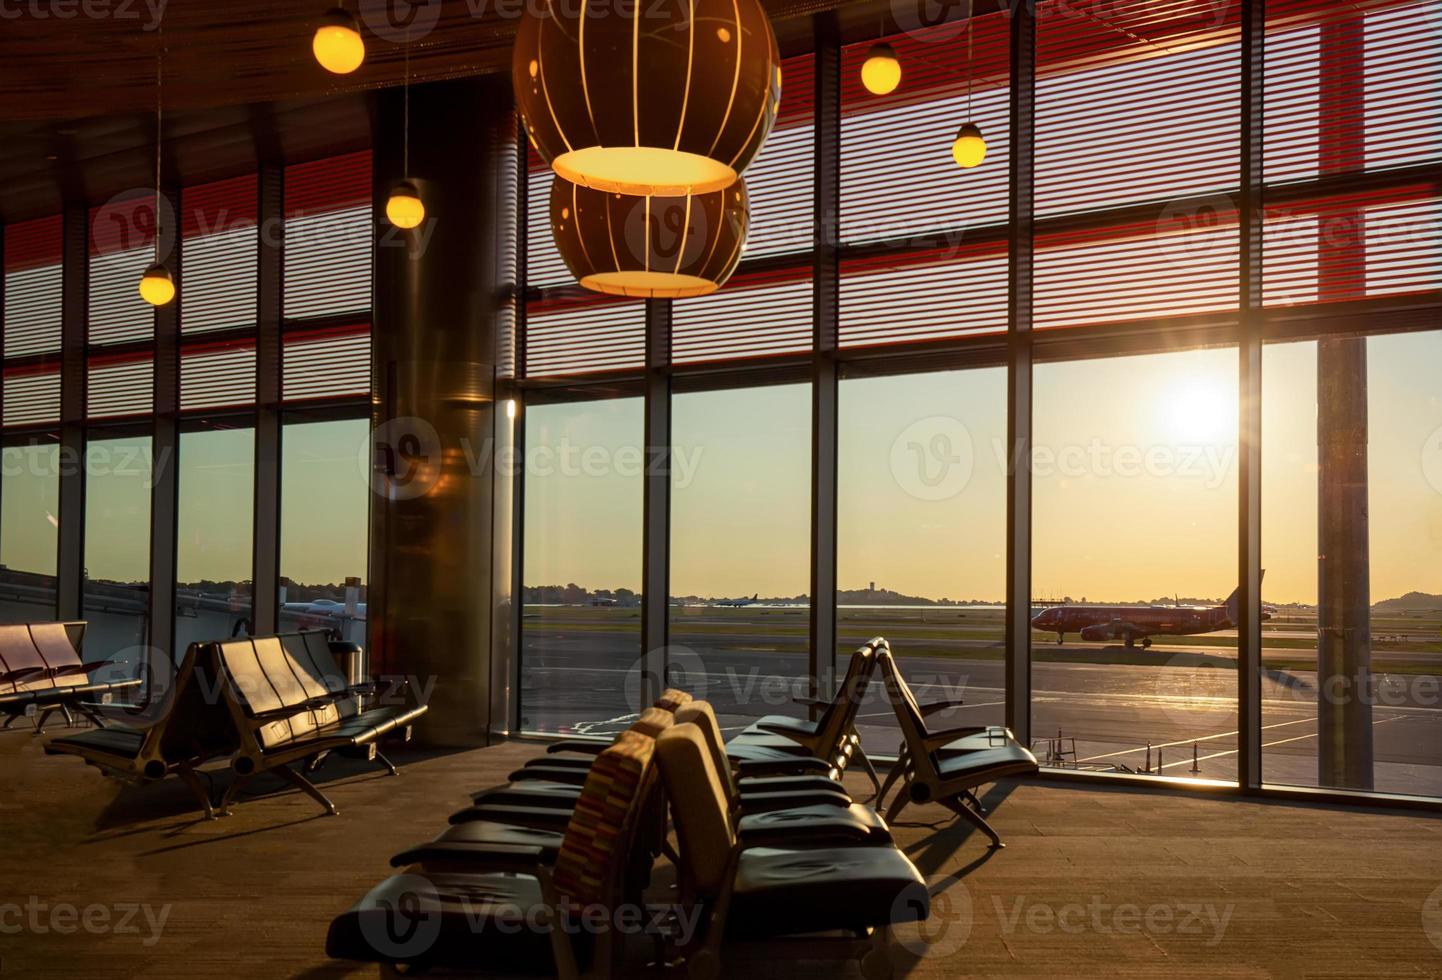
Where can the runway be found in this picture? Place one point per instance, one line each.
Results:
(1128, 716)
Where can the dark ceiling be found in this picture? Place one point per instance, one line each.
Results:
(78, 85)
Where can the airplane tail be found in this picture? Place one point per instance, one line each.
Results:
(1234, 613)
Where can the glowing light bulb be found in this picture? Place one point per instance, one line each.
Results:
(404, 207)
(337, 44)
(970, 146)
(881, 71)
(157, 287)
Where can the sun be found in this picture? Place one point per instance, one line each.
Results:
(1200, 411)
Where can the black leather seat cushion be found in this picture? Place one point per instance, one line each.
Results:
(467, 841)
(529, 793)
(987, 764)
(361, 729)
(123, 743)
(821, 822)
(788, 892)
(789, 784)
(781, 723)
(461, 920)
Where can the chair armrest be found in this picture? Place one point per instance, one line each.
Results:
(935, 706)
(800, 765)
(810, 702)
(590, 746)
(479, 858)
(293, 709)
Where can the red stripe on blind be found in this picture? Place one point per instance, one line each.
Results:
(31, 244)
(223, 205)
(328, 185)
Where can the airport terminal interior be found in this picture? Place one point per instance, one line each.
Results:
(718, 488)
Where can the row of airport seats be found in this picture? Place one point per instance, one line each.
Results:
(42, 672)
(772, 853)
(263, 704)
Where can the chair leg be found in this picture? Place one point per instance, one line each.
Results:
(955, 805)
(979, 806)
(92, 715)
(187, 776)
(870, 770)
(314, 763)
(898, 803)
(307, 787)
(897, 769)
(232, 793)
(41, 719)
(9, 720)
(381, 758)
(66, 714)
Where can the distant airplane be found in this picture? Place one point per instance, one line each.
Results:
(1132, 623)
(322, 612)
(736, 602)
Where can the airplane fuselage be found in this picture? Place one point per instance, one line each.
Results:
(1132, 623)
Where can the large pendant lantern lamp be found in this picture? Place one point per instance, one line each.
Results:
(638, 98)
(655, 247)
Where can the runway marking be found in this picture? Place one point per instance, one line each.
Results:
(1203, 738)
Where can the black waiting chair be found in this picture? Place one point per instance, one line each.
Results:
(281, 692)
(946, 766)
(185, 728)
(42, 672)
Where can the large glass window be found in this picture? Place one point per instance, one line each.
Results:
(214, 534)
(118, 474)
(1352, 544)
(324, 526)
(29, 542)
(921, 538)
(1134, 564)
(741, 547)
(581, 603)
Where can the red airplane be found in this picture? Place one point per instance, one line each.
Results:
(1132, 623)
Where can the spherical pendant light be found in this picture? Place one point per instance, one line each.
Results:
(676, 102)
(881, 71)
(157, 287)
(337, 44)
(970, 146)
(658, 247)
(404, 208)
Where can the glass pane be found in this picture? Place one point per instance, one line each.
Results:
(324, 527)
(213, 534)
(1134, 564)
(1352, 544)
(921, 540)
(118, 484)
(741, 549)
(581, 613)
(29, 521)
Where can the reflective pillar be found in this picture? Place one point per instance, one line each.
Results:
(442, 303)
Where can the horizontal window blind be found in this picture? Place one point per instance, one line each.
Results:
(328, 237)
(1351, 95)
(779, 181)
(1136, 101)
(755, 314)
(924, 295)
(119, 385)
(580, 332)
(32, 395)
(122, 247)
(220, 253)
(217, 375)
(898, 179)
(544, 265)
(333, 363)
(33, 283)
(1137, 130)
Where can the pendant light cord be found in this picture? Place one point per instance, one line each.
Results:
(159, 101)
(406, 114)
(970, 30)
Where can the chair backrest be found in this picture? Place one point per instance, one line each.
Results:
(700, 806)
(652, 722)
(601, 833)
(840, 715)
(261, 675)
(196, 725)
(671, 699)
(703, 716)
(55, 645)
(908, 713)
(18, 652)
